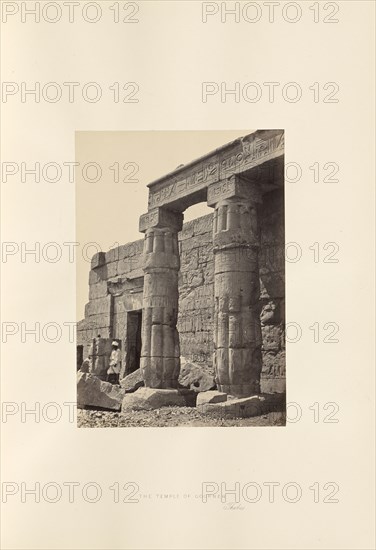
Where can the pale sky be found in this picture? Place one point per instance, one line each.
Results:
(108, 212)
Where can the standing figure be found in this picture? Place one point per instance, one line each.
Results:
(113, 370)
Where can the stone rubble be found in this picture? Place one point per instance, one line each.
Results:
(152, 398)
(93, 392)
(211, 397)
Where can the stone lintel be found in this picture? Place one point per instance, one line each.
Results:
(183, 185)
(235, 187)
(161, 218)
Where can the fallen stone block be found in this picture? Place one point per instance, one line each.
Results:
(93, 392)
(152, 398)
(211, 397)
(235, 408)
(196, 378)
(132, 382)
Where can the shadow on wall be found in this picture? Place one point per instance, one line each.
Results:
(272, 292)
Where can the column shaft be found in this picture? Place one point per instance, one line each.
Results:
(237, 342)
(160, 352)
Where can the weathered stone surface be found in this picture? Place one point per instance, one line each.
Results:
(93, 392)
(274, 365)
(189, 260)
(272, 285)
(237, 324)
(195, 286)
(85, 367)
(196, 242)
(88, 330)
(233, 158)
(101, 346)
(127, 302)
(211, 397)
(203, 225)
(273, 385)
(187, 231)
(152, 398)
(195, 377)
(246, 407)
(235, 408)
(272, 258)
(98, 290)
(125, 251)
(98, 306)
(161, 217)
(272, 338)
(100, 322)
(95, 276)
(160, 353)
(270, 313)
(197, 299)
(98, 260)
(113, 270)
(132, 382)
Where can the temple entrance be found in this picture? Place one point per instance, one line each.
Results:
(232, 180)
(133, 352)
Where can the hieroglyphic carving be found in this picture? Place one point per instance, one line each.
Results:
(237, 329)
(150, 219)
(161, 217)
(197, 178)
(232, 187)
(118, 286)
(239, 156)
(253, 149)
(160, 353)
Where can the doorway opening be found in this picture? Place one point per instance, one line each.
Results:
(80, 356)
(134, 321)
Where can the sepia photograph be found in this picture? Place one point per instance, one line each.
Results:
(186, 325)
(187, 275)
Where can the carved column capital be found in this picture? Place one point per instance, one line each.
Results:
(161, 251)
(235, 187)
(161, 218)
(235, 224)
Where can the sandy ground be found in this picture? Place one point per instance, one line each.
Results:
(170, 417)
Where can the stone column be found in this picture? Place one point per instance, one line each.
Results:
(237, 329)
(160, 352)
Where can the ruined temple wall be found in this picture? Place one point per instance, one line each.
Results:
(272, 291)
(115, 287)
(196, 290)
(116, 280)
(195, 322)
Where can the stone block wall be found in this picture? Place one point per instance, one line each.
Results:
(272, 292)
(196, 288)
(116, 286)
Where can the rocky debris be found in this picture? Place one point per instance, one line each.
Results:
(171, 417)
(93, 392)
(235, 408)
(152, 398)
(132, 382)
(211, 397)
(247, 407)
(196, 377)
